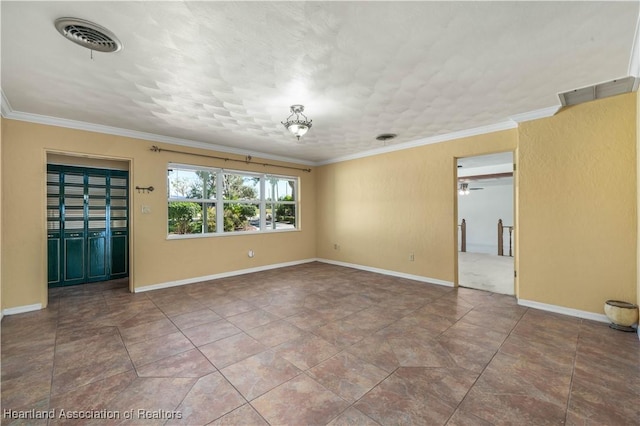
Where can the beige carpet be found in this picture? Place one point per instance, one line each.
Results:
(486, 272)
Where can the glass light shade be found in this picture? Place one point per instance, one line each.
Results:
(298, 125)
(298, 129)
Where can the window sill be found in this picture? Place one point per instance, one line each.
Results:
(228, 234)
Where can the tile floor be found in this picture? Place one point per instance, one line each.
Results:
(313, 344)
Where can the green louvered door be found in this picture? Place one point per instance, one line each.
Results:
(54, 238)
(96, 220)
(119, 225)
(87, 236)
(74, 235)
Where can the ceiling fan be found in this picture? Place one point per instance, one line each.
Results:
(464, 189)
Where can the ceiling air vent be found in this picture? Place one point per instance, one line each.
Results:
(87, 34)
(599, 91)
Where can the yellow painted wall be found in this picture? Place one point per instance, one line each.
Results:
(380, 209)
(1, 238)
(577, 205)
(154, 258)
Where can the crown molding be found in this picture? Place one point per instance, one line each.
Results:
(491, 128)
(634, 61)
(117, 131)
(536, 114)
(5, 106)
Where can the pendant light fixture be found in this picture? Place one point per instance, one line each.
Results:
(295, 124)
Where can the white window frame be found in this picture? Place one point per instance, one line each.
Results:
(201, 201)
(294, 203)
(220, 202)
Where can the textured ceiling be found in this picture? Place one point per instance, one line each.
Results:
(225, 73)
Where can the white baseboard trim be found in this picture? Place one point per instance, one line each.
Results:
(388, 272)
(220, 275)
(563, 310)
(22, 309)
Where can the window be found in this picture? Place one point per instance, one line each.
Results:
(241, 202)
(215, 201)
(192, 200)
(281, 202)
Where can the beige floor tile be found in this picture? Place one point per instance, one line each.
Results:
(210, 332)
(394, 402)
(347, 376)
(232, 349)
(186, 364)
(307, 351)
(259, 373)
(210, 398)
(300, 401)
(243, 416)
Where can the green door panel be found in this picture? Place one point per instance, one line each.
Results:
(97, 256)
(53, 259)
(119, 257)
(74, 249)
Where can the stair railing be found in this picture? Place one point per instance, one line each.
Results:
(463, 235)
(501, 228)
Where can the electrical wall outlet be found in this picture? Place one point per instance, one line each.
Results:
(411, 257)
(336, 246)
(251, 253)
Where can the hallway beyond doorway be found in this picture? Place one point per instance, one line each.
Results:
(484, 271)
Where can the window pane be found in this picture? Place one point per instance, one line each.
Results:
(185, 217)
(209, 221)
(191, 184)
(280, 189)
(239, 187)
(281, 216)
(241, 217)
(209, 183)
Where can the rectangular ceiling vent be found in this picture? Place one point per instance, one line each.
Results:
(599, 91)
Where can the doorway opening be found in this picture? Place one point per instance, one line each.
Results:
(485, 200)
(87, 221)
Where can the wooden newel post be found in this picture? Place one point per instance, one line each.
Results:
(510, 231)
(500, 243)
(463, 235)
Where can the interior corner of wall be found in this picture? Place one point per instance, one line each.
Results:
(638, 200)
